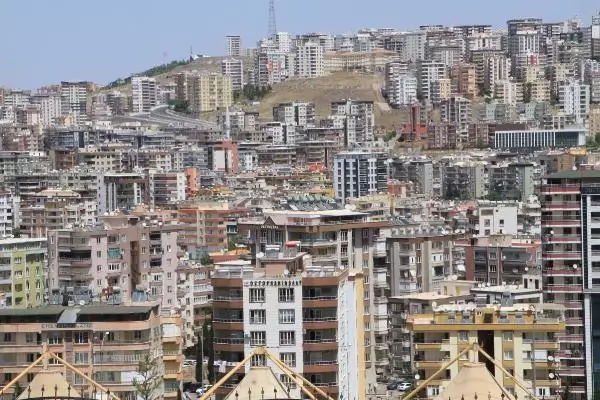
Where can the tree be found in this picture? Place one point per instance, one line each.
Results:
(205, 259)
(567, 394)
(207, 334)
(148, 379)
(18, 390)
(199, 360)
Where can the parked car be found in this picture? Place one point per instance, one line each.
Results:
(404, 386)
(190, 386)
(203, 389)
(393, 385)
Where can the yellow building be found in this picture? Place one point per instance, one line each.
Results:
(205, 91)
(22, 272)
(522, 337)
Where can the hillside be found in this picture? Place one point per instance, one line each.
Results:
(338, 86)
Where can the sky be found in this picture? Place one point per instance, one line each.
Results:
(46, 41)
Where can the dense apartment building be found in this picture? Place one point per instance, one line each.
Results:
(574, 99)
(74, 100)
(234, 68)
(22, 272)
(359, 120)
(125, 251)
(522, 337)
(311, 317)
(120, 191)
(512, 181)
(310, 60)
(570, 263)
(144, 94)
(418, 171)
(106, 342)
(166, 188)
(6, 213)
(419, 258)
(52, 209)
(357, 174)
(234, 45)
(195, 294)
(208, 225)
(295, 113)
(204, 91)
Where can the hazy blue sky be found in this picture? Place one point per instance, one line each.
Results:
(45, 41)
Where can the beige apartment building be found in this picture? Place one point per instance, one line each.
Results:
(204, 91)
(313, 318)
(523, 337)
(104, 341)
(333, 238)
(123, 252)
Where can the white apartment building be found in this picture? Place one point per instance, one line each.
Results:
(310, 60)
(166, 188)
(495, 68)
(495, 218)
(295, 113)
(234, 46)
(359, 119)
(508, 92)
(234, 68)
(574, 99)
(428, 72)
(279, 133)
(402, 91)
(441, 90)
(359, 174)
(6, 214)
(144, 93)
(74, 100)
(50, 108)
(284, 42)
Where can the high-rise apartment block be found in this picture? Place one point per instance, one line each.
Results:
(204, 91)
(310, 317)
(144, 94)
(22, 272)
(574, 99)
(105, 342)
(74, 99)
(124, 253)
(359, 120)
(357, 174)
(310, 60)
(234, 46)
(571, 261)
(295, 113)
(234, 68)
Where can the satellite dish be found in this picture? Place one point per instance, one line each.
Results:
(526, 269)
(454, 277)
(550, 358)
(260, 255)
(417, 377)
(434, 304)
(575, 266)
(551, 375)
(286, 272)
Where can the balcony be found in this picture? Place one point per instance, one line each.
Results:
(564, 288)
(562, 255)
(323, 344)
(566, 188)
(570, 338)
(320, 366)
(563, 239)
(562, 222)
(562, 272)
(567, 205)
(571, 371)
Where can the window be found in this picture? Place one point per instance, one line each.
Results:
(81, 358)
(463, 336)
(30, 337)
(54, 360)
(288, 359)
(286, 295)
(258, 317)
(287, 338)
(508, 355)
(99, 254)
(257, 295)
(55, 338)
(31, 357)
(8, 337)
(287, 381)
(258, 360)
(258, 338)
(81, 337)
(507, 336)
(287, 316)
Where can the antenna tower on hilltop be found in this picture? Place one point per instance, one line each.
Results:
(272, 19)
